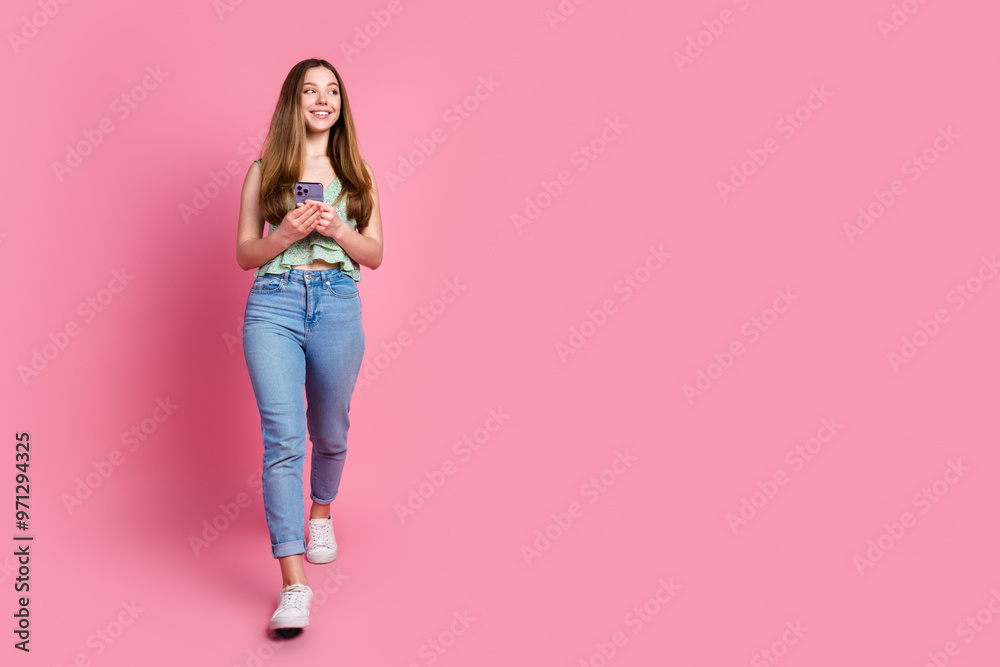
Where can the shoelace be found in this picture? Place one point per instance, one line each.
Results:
(321, 535)
(293, 596)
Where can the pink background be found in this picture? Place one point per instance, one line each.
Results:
(171, 334)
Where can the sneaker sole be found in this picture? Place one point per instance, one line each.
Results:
(288, 624)
(319, 560)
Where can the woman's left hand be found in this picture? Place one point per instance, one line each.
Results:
(330, 223)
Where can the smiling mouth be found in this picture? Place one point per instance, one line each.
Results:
(320, 114)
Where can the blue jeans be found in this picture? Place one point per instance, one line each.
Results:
(303, 342)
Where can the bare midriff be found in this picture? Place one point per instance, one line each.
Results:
(317, 265)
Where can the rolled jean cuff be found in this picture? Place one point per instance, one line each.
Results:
(322, 502)
(288, 548)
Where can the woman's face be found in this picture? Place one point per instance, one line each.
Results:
(320, 95)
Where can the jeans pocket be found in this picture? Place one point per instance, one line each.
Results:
(269, 283)
(342, 286)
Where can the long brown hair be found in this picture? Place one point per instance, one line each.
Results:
(281, 157)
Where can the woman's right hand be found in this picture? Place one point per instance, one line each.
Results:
(300, 221)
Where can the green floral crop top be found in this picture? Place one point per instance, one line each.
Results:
(315, 245)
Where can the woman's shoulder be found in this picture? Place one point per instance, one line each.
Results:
(368, 168)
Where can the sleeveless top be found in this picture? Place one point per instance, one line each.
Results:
(315, 245)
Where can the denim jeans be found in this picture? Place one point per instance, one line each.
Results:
(303, 344)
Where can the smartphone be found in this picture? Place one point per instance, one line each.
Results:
(304, 191)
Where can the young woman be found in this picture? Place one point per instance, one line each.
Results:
(302, 335)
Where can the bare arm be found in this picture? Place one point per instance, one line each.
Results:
(364, 247)
(253, 249)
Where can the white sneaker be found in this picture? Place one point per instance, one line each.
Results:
(322, 547)
(293, 609)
